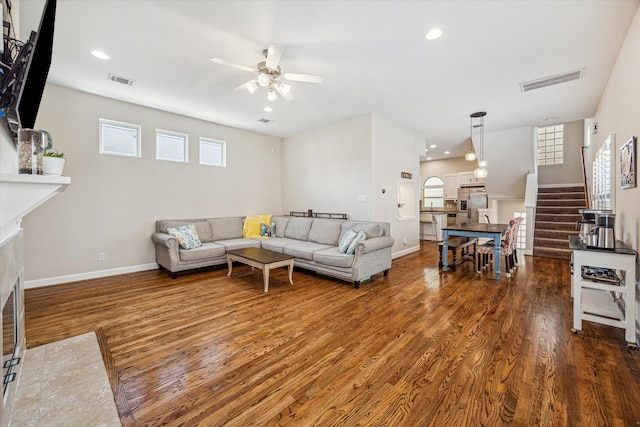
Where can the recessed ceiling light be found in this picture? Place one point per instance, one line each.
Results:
(434, 34)
(447, 152)
(268, 109)
(426, 149)
(100, 54)
(432, 146)
(428, 158)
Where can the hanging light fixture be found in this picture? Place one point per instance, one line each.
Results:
(470, 155)
(481, 170)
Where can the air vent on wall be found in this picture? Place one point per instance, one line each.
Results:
(265, 120)
(120, 79)
(550, 81)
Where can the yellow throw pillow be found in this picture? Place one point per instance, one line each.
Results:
(251, 227)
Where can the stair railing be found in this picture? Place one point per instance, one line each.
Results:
(584, 177)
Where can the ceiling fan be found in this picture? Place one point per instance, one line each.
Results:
(270, 75)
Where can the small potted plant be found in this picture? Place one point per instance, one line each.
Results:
(53, 161)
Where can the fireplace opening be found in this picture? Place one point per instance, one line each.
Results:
(9, 340)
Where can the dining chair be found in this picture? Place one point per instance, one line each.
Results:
(486, 251)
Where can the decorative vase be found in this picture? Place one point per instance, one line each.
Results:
(29, 152)
(53, 165)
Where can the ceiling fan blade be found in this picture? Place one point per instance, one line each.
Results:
(308, 78)
(274, 53)
(231, 64)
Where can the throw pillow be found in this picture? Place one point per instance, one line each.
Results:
(347, 239)
(359, 238)
(266, 230)
(186, 235)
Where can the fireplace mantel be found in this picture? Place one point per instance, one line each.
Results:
(20, 194)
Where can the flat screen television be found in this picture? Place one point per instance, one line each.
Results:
(26, 92)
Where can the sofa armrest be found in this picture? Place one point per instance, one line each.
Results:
(371, 245)
(165, 240)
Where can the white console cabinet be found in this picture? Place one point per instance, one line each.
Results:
(604, 288)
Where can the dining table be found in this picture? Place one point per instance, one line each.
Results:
(479, 230)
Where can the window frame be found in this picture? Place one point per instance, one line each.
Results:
(211, 141)
(426, 187)
(552, 145)
(173, 134)
(115, 123)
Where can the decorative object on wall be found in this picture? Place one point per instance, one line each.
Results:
(406, 175)
(481, 170)
(628, 160)
(30, 151)
(53, 163)
(470, 155)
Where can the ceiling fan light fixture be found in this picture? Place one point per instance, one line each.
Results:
(264, 80)
(271, 95)
(252, 86)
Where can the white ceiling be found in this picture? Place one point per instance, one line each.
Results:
(373, 55)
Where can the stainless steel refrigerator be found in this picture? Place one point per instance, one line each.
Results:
(470, 199)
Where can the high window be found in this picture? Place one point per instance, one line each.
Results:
(550, 145)
(172, 146)
(213, 152)
(433, 193)
(120, 139)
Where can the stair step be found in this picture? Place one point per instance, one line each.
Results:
(563, 189)
(551, 243)
(555, 217)
(567, 195)
(578, 203)
(555, 225)
(571, 210)
(552, 253)
(554, 234)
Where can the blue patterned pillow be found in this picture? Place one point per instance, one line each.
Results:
(347, 239)
(267, 230)
(186, 235)
(359, 238)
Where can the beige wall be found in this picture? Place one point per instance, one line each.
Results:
(442, 167)
(113, 202)
(570, 171)
(619, 113)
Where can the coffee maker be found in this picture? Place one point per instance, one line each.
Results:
(606, 233)
(589, 232)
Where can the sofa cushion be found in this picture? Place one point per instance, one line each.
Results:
(226, 228)
(346, 240)
(304, 250)
(359, 238)
(333, 257)
(298, 228)
(206, 251)
(371, 229)
(239, 243)
(186, 235)
(202, 227)
(280, 223)
(277, 244)
(325, 231)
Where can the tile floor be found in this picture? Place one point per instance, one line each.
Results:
(65, 384)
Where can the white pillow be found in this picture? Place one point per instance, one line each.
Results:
(359, 238)
(347, 239)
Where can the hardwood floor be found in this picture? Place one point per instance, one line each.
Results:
(417, 348)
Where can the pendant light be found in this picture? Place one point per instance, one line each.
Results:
(481, 170)
(470, 155)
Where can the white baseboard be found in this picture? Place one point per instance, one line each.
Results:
(28, 284)
(405, 252)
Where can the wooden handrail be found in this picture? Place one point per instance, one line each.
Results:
(584, 178)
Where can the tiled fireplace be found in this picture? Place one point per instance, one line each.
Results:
(20, 194)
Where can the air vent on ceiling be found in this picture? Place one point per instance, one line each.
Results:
(120, 79)
(265, 120)
(550, 81)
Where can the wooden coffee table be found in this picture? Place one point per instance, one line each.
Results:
(263, 259)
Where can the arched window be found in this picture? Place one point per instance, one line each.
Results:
(433, 193)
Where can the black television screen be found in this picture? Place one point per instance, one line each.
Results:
(23, 113)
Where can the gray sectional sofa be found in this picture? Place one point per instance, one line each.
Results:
(313, 241)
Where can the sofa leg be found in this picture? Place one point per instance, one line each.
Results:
(356, 284)
(386, 273)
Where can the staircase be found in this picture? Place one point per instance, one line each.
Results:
(556, 217)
